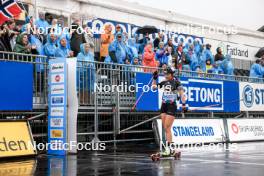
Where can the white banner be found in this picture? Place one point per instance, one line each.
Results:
(237, 51)
(72, 102)
(245, 129)
(251, 96)
(191, 131)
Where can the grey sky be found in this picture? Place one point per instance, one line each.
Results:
(243, 13)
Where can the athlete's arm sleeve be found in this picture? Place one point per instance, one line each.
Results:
(161, 84)
(178, 85)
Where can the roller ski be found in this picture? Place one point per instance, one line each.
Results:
(165, 155)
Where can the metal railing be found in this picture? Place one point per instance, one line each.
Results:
(105, 75)
(112, 108)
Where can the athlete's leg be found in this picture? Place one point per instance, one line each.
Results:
(163, 119)
(168, 125)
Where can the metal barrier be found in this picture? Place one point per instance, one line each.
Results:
(40, 66)
(101, 113)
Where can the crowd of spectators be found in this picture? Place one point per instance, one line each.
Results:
(53, 40)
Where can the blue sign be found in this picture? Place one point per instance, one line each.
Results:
(248, 96)
(97, 27)
(202, 94)
(57, 120)
(16, 86)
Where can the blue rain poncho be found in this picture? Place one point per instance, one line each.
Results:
(120, 49)
(132, 46)
(227, 66)
(62, 51)
(42, 24)
(50, 47)
(208, 55)
(85, 70)
(256, 71)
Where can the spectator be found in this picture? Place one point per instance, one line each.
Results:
(42, 24)
(149, 59)
(170, 58)
(50, 46)
(77, 37)
(132, 49)
(62, 50)
(86, 71)
(217, 69)
(173, 48)
(219, 55)
(125, 38)
(161, 54)
(118, 51)
(209, 65)
(257, 69)
(106, 38)
(55, 28)
(143, 42)
(7, 36)
(227, 66)
(118, 29)
(185, 62)
(22, 45)
(157, 40)
(29, 27)
(208, 53)
(88, 35)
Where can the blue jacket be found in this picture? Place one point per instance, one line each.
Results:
(132, 46)
(86, 70)
(43, 24)
(256, 71)
(62, 52)
(120, 49)
(83, 56)
(50, 47)
(227, 66)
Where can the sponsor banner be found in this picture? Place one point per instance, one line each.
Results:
(57, 78)
(56, 122)
(192, 131)
(16, 86)
(97, 27)
(57, 128)
(57, 68)
(57, 89)
(17, 168)
(202, 94)
(57, 111)
(15, 139)
(245, 129)
(237, 51)
(252, 96)
(57, 100)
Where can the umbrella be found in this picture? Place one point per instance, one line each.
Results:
(147, 29)
(260, 53)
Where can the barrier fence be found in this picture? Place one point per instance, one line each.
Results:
(112, 106)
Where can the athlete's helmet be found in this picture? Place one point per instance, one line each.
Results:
(168, 71)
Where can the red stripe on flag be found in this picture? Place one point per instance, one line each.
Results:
(3, 18)
(14, 9)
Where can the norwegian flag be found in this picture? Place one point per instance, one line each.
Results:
(8, 9)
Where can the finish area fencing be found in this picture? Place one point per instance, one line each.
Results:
(103, 114)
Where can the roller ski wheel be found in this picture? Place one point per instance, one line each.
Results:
(177, 155)
(155, 157)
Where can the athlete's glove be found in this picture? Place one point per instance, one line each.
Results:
(184, 108)
(155, 75)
